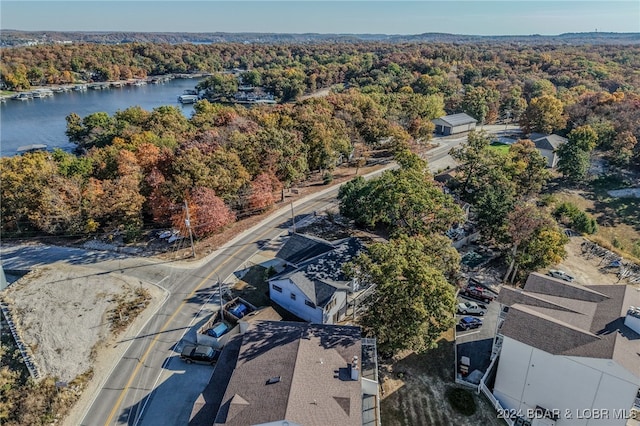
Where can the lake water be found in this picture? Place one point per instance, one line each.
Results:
(42, 121)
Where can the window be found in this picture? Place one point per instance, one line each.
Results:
(310, 304)
(293, 296)
(277, 288)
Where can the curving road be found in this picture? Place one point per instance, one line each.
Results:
(149, 384)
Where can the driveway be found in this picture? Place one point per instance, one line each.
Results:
(476, 344)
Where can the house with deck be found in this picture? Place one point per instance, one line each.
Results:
(312, 285)
(566, 352)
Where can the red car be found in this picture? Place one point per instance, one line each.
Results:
(475, 292)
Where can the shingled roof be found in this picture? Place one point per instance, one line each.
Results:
(562, 318)
(299, 248)
(296, 372)
(548, 142)
(321, 276)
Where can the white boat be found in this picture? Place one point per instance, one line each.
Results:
(23, 96)
(188, 99)
(80, 87)
(42, 93)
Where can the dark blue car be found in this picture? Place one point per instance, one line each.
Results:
(468, 323)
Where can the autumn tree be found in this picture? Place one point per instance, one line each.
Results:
(622, 148)
(527, 168)
(413, 304)
(208, 213)
(262, 192)
(543, 115)
(523, 221)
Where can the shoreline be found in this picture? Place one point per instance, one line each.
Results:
(154, 79)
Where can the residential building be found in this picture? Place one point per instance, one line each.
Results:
(570, 351)
(547, 145)
(312, 285)
(455, 123)
(289, 373)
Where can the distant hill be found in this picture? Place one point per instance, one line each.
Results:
(16, 38)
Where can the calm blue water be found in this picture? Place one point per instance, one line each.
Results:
(42, 121)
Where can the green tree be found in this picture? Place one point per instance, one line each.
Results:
(574, 156)
(219, 85)
(413, 304)
(471, 157)
(406, 200)
(573, 162)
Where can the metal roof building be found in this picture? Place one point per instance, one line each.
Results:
(456, 123)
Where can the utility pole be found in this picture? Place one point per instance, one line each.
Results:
(293, 218)
(187, 221)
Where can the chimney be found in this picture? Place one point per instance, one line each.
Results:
(632, 320)
(355, 372)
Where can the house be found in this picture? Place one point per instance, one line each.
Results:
(289, 373)
(548, 145)
(312, 285)
(455, 123)
(569, 351)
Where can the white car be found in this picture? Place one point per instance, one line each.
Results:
(470, 308)
(556, 273)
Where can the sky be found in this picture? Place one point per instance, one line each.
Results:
(502, 17)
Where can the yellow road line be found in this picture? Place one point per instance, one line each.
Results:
(166, 324)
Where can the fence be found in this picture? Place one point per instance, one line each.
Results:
(24, 350)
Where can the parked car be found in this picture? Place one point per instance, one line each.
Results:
(468, 323)
(556, 273)
(200, 354)
(478, 293)
(470, 308)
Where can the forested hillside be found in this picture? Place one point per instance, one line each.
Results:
(136, 168)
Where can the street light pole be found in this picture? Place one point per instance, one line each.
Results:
(187, 221)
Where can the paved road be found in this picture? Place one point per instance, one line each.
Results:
(124, 396)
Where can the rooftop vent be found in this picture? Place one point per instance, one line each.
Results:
(632, 320)
(355, 372)
(273, 380)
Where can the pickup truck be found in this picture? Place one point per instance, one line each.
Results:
(200, 354)
(472, 308)
(478, 293)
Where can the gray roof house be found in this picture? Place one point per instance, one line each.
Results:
(568, 346)
(455, 123)
(547, 145)
(313, 287)
(292, 373)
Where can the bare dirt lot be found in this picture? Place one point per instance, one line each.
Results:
(63, 315)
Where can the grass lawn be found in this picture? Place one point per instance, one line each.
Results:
(502, 148)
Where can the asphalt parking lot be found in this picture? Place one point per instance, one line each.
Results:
(476, 343)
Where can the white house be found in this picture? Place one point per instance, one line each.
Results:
(455, 123)
(547, 145)
(569, 351)
(313, 286)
